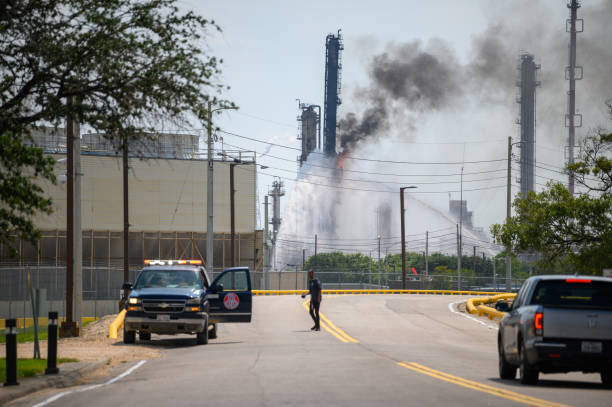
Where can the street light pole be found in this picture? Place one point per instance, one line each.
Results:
(403, 235)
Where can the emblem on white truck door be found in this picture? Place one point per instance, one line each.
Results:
(231, 301)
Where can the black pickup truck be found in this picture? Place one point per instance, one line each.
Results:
(557, 324)
(171, 297)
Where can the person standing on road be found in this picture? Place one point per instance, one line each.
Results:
(315, 291)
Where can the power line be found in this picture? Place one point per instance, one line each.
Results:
(348, 157)
(375, 190)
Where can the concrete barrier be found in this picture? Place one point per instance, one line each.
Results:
(116, 325)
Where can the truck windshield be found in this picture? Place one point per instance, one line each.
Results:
(561, 293)
(168, 279)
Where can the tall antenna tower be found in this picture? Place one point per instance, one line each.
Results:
(333, 65)
(572, 73)
(527, 100)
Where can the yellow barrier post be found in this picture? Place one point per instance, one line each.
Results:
(116, 325)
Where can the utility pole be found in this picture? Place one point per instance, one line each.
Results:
(508, 214)
(303, 258)
(494, 273)
(68, 327)
(458, 260)
(126, 220)
(266, 248)
(403, 235)
(426, 254)
(460, 231)
(379, 275)
(474, 261)
(315, 252)
(78, 232)
(232, 221)
(209, 197)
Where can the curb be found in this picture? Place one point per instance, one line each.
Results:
(69, 377)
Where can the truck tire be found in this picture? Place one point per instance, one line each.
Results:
(506, 370)
(527, 373)
(606, 377)
(144, 336)
(128, 336)
(202, 337)
(212, 333)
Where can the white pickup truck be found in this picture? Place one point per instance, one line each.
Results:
(557, 324)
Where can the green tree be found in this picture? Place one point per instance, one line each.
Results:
(119, 67)
(564, 228)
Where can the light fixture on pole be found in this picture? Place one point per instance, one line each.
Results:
(403, 235)
(209, 189)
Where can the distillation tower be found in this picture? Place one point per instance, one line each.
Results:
(333, 65)
(527, 121)
(309, 129)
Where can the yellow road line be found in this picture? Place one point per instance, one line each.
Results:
(332, 328)
(496, 391)
(331, 324)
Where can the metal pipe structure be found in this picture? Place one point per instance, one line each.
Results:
(403, 227)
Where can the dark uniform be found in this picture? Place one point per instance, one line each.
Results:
(314, 290)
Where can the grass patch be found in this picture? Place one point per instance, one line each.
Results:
(29, 367)
(27, 334)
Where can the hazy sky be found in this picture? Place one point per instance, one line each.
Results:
(274, 52)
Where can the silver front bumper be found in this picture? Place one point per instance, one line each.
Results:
(170, 327)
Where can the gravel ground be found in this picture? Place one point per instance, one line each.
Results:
(93, 344)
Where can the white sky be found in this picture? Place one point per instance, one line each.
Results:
(274, 53)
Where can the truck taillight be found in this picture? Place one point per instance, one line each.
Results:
(538, 323)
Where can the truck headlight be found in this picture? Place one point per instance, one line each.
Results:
(134, 300)
(193, 301)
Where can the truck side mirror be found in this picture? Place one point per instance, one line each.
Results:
(127, 286)
(218, 288)
(502, 306)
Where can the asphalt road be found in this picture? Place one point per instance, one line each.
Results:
(388, 350)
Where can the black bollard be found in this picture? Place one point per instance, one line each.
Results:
(11, 353)
(52, 344)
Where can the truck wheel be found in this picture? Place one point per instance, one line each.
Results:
(202, 337)
(606, 377)
(144, 336)
(128, 336)
(212, 333)
(506, 370)
(527, 373)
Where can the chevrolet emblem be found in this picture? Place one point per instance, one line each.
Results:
(164, 305)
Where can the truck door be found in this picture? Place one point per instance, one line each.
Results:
(230, 296)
